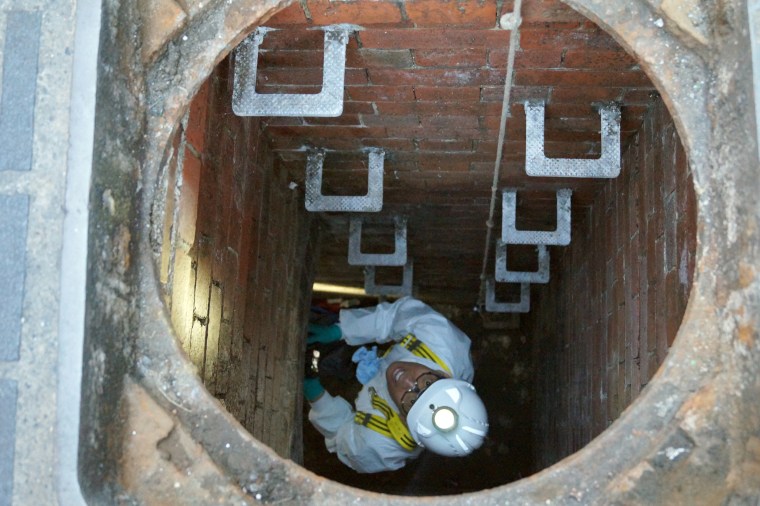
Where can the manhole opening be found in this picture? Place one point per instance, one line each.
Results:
(241, 252)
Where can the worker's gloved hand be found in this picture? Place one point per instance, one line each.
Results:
(367, 364)
(323, 333)
(312, 389)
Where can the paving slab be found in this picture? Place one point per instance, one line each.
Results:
(44, 178)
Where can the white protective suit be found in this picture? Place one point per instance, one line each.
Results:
(359, 447)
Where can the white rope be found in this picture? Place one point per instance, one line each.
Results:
(514, 41)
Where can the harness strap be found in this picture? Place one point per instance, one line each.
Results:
(391, 426)
(420, 349)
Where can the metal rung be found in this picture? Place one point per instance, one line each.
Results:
(327, 103)
(510, 234)
(404, 289)
(356, 257)
(507, 307)
(371, 202)
(504, 275)
(537, 164)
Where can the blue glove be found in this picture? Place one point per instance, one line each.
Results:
(323, 333)
(367, 364)
(312, 389)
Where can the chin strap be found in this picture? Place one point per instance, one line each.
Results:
(391, 426)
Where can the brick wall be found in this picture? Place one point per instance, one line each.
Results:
(617, 295)
(239, 273)
(424, 82)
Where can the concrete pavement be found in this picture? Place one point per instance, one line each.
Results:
(46, 120)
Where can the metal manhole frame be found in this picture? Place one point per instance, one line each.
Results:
(609, 467)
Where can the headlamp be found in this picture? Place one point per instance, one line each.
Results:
(444, 419)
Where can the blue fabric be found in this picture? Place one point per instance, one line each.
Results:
(323, 333)
(312, 388)
(367, 364)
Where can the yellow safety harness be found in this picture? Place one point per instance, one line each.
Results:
(420, 349)
(391, 425)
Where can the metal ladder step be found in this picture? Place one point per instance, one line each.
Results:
(492, 306)
(326, 104)
(510, 235)
(405, 288)
(537, 164)
(502, 274)
(356, 257)
(371, 202)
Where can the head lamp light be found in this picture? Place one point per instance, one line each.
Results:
(445, 419)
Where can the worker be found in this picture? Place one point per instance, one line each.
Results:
(418, 395)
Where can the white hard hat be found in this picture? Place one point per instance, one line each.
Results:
(449, 418)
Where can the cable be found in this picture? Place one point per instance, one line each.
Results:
(514, 40)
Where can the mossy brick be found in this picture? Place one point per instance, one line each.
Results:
(383, 58)
(450, 57)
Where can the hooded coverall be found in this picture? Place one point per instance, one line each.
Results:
(357, 446)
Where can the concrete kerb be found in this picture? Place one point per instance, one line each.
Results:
(74, 248)
(674, 425)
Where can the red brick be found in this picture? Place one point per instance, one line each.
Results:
(293, 39)
(517, 93)
(432, 38)
(449, 121)
(586, 94)
(377, 13)
(538, 36)
(330, 132)
(266, 89)
(396, 144)
(396, 108)
(278, 143)
(469, 13)
(473, 57)
(427, 133)
(306, 76)
(599, 60)
(540, 59)
(387, 58)
(580, 78)
(283, 121)
(640, 96)
(430, 93)
(411, 120)
(287, 17)
(444, 145)
(444, 163)
(673, 313)
(552, 10)
(436, 77)
(429, 108)
(288, 59)
(343, 119)
(380, 93)
(358, 108)
(196, 123)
